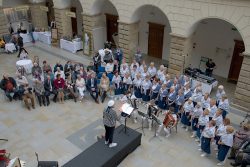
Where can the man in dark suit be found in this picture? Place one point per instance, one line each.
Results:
(92, 87)
(49, 89)
(8, 84)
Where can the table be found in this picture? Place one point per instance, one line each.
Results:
(72, 46)
(206, 87)
(27, 64)
(44, 37)
(36, 35)
(26, 38)
(10, 47)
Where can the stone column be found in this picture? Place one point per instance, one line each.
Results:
(242, 94)
(3, 23)
(63, 22)
(89, 22)
(128, 39)
(39, 16)
(176, 57)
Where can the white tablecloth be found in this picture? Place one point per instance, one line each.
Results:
(206, 88)
(45, 37)
(10, 47)
(26, 38)
(27, 64)
(72, 46)
(36, 35)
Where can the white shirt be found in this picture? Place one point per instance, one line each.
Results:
(218, 120)
(212, 111)
(61, 74)
(146, 84)
(160, 74)
(188, 107)
(109, 67)
(227, 139)
(203, 120)
(80, 83)
(132, 66)
(224, 105)
(219, 94)
(137, 82)
(197, 112)
(205, 103)
(196, 96)
(152, 71)
(116, 80)
(124, 71)
(221, 130)
(127, 80)
(209, 132)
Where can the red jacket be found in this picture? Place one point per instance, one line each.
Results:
(59, 83)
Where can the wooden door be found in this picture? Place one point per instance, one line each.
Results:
(74, 22)
(112, 27)
(155, 40)
(236, 62)
(50, 13)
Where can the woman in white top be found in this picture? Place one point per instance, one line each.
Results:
(224, 105)
(205, 101)
(124, 70)
(143, 64)
(218, 118)
(146, 85)
(137, 86)
(117, 83)
(109, 68)
(221, 130)
(160, 72)
(152, 70)
(197, 95)
(127, 82)
(187, 109)
(133, 65)
(144, 73)
(219, 93)
(202, 122)
(81, 86)
(197, 112)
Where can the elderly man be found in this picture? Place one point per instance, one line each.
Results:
(92, 87)
(49, 89)
(8, 84)
(109, 120)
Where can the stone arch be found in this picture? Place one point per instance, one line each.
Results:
(144, 15)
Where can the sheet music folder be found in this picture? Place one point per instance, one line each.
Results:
(127, 109)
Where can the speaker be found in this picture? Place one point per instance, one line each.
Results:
(48, 164)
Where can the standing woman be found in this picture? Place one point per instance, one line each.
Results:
(146, 85)
(162, 97)
(187, 109)
(155, 89)
(179, 101)
(104, 85)
(137, 86)
(127, 83)
(59, 84)
(117, 82)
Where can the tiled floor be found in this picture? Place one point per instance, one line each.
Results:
(61, 131)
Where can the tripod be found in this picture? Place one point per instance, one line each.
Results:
(142, 121)
(155, 122)
(125, 125)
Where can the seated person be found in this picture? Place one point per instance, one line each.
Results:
(68, 68)
(36, 69)
(169, 122)
(58, 65)
(39, 91)
(21, 82)
(70, 86)
(92, 87)
(59, 71)
(59, 84)
(243, 155)
(46, 67)
(23, 55)
(8, 85)
(90, 66)
(109, 68)
(104, 86)
(28, 95)
(81, 86)
(49, 89)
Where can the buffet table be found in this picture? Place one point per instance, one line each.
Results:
(45, 37)
(72, 46)
(27, 64)
(206, 87)
(26, 38)
(10, 47)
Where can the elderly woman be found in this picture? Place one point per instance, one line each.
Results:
(197, 95)
(59, 84)
(39, 91)
(104, 86)
(240, 136)
(117, 83)
(46, 67)
(36, 69)
(81, 86)
(152, 70)
(219, 93)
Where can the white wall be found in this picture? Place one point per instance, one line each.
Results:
(152, 14)
(214, 39)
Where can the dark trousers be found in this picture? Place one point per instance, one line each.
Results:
(109, 133)
(95, 97)
(20, 51)
(41, 99)
(8, 94)
(104, 95)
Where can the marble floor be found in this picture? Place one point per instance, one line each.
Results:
(62, 131)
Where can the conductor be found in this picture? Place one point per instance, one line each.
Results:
(109, 120)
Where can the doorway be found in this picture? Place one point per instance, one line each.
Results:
(112, 27)
(237, 60)
(74, 22)
(155, 40)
